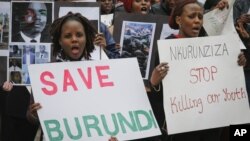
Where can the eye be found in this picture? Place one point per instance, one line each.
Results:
(200, 16)
(191, 16)
(67, 36)
(43, 12)
(79, 34)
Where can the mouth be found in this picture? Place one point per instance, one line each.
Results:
(196, 30)
(75, 50)
(144, 9)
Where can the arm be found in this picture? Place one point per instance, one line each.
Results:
(32, 111)
(110, 45)
(159, 72)
(241, 59)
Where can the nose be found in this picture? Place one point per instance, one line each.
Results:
(144, 2)
(106, 1)
(197, 19)
(74, 38)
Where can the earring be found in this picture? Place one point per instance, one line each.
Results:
(179, 25)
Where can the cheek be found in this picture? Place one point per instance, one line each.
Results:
(136, 8)
(43, 18)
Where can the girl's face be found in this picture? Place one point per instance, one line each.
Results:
(73, 39)
(141, 6)
(191, 20)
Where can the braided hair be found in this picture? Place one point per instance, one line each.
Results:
(56, 31)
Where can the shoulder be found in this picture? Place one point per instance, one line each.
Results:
(172, 36)
(17, 38)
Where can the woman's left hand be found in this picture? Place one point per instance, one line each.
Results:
(100, 40)
(7, 86)
(242, 59)
(222, 4)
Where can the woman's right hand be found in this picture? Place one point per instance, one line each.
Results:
(33, 109)
(113, 139)
(159, 73)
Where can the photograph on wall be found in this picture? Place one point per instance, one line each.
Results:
(4, 23)
(137, 41)
(21, 55)
(30, 21)
(90, 10)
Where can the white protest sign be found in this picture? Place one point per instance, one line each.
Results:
(229, 28)
(92, 100)
(204, 83)
(214, 21)
(107, 19)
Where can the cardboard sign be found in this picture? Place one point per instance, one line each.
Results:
(205, 87)
(92, 100)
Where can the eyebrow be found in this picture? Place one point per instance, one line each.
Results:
(42, 10)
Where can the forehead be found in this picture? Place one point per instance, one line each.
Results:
(72, 23)
(37, 6)
(192, 7)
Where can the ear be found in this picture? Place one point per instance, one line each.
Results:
(178, 20)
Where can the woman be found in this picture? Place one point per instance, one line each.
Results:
(73, 40)
(187, 16)
(137, 6)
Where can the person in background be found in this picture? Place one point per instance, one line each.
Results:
(105, 40)
(164, 7)
(72, 40)
(16, 52)
(156, 100)
(213, 4)
(107, 27)
(107, 6)
(137, 6)
(241, 16)
(186, 16)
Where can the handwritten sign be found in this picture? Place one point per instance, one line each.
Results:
(92, 100)
(204, 83)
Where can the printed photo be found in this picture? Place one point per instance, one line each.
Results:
(137, 41)
(4, 23)
(30, 21)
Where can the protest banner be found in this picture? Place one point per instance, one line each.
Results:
(205, 87)
(92, 100)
